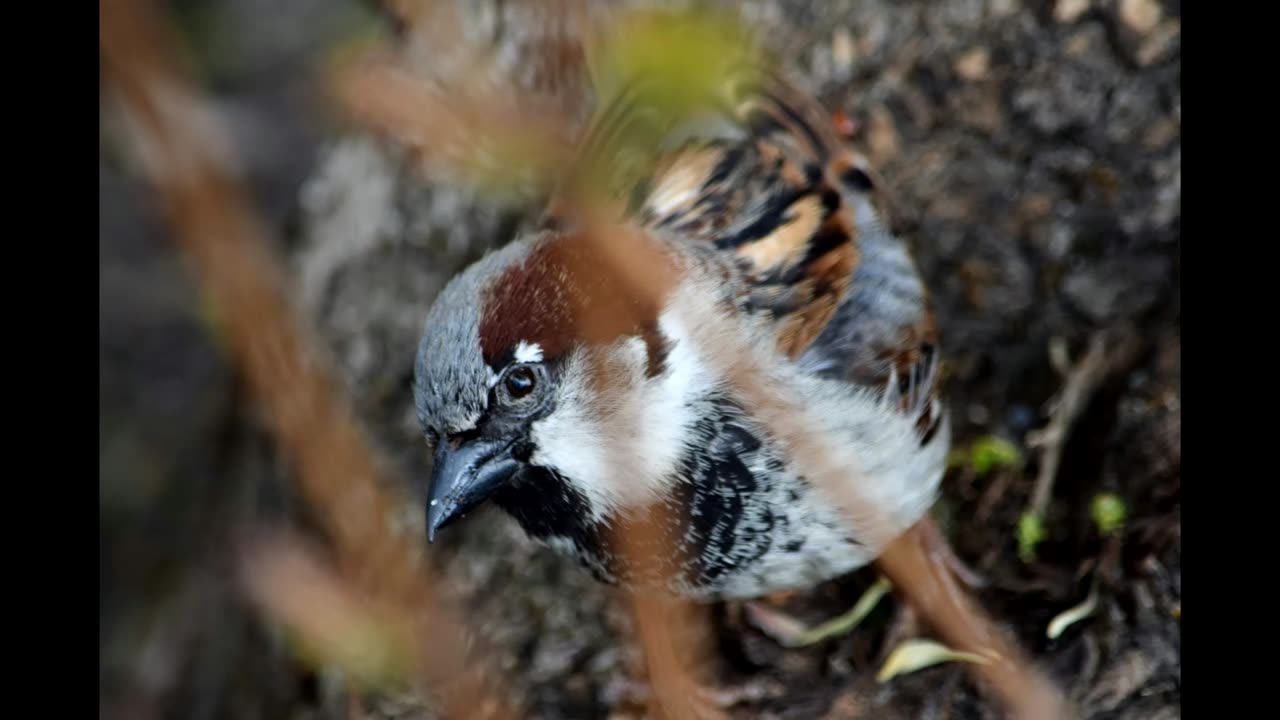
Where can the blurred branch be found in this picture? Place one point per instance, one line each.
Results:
(633, 273)
(463, 109)
(504, 147)
(331, 622)
(227, 246)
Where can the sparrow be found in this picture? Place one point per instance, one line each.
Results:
(770, 226)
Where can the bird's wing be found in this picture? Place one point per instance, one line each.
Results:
(764, 184)
(766, 192)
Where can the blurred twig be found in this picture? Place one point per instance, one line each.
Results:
(464, 112)
(667, 629)
(632, 272)
(331, 622)
(1103, 356)
(227, 246)
(500, 146)
(916, 572)
(494, 138)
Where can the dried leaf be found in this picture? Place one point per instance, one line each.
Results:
(1073, 615)
(918, 654)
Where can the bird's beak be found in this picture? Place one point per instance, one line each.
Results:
(465, 476)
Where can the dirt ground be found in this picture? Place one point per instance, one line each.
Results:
(1033, 152)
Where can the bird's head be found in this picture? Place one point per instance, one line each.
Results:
(547, 389)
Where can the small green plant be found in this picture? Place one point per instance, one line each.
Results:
(1030, 534)
(1108, 512)
(987, 454)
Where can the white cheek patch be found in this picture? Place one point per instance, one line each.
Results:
(528, 352)
(621, 443)
(492, 378)
(570, 440)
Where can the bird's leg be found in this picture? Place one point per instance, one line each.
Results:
(942, 551)
(790, 632)
(922, 576)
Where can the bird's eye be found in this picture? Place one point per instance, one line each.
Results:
(519, 382)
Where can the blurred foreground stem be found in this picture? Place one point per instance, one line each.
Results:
(188, 163)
